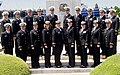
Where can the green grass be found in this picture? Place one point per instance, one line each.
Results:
(109, 67)
(11, 65)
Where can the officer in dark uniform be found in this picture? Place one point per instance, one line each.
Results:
(16, 22)
(57, 42)
(66, 17)
(23, 40)
(5, 19)
(71, 43)
(7, 40)
(29, 24)
(102, 25)
(89, 19)
(29, 20)
(109, 38)
(47, 41)
(115, 26)
(95, 43)
(36, 45)
(39, 19)
(52, 17)
(65, 25)
(16, 28)
(78, 18)
(83, 44)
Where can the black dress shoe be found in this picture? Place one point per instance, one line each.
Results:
(58, 66)
(70, 66)
(47, 67)
(50, 66)
(82, 66)
(92, 65)
(65, 54)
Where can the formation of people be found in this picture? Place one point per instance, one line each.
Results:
(36, 35)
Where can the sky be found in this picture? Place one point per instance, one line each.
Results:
(25, 4)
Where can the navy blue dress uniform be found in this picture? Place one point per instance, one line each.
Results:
(71, 43)
(15, 23)
(29, 20)
(52, 17)
(40, 19)
(16, 28)
(83, 43)
(78, 18)
(115, 26)
(65, 25)
(29, 24)
(108, 38)
(7, 40)
(57, 42)
(95, 43)
(66, 17)
(102, 25)
(4, 20)
(36, 45)
(47, 42)
(89, 19)
(23, 41)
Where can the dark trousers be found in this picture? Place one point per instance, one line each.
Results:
(83, 55)
(96, 55)
(47, 56)
(17, 51)
(8, 50)
(23, 53)
(57, 53)
(102, 44)
(109, 51)
(77, 40)
(35, 57)
(115, 45)
(71, 54)
(89, 47)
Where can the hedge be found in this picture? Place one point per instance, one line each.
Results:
(11, 65)
(111, 66)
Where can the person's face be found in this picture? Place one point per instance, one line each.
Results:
(5, 16)
(7, 28)
(108, 24)
(102, 13)
(17, 15)
(23, 27)
(58, 25)
(112, 14)
(47, 25)
(35, 26)
(95, 24)
(39, 12)
(69, 23)
(30, 13)
(83, 26)
(77, 11)
(52, 11)
(67, 12)
(89, 12)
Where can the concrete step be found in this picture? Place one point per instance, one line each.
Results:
(64, 62)
(53, 71)
(87, 73)
(66, 57)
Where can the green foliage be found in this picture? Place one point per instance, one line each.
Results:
(109, 67)
(11, 65)
(117, 10)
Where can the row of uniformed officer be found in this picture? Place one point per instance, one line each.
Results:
(7, 39)
(36, 45)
